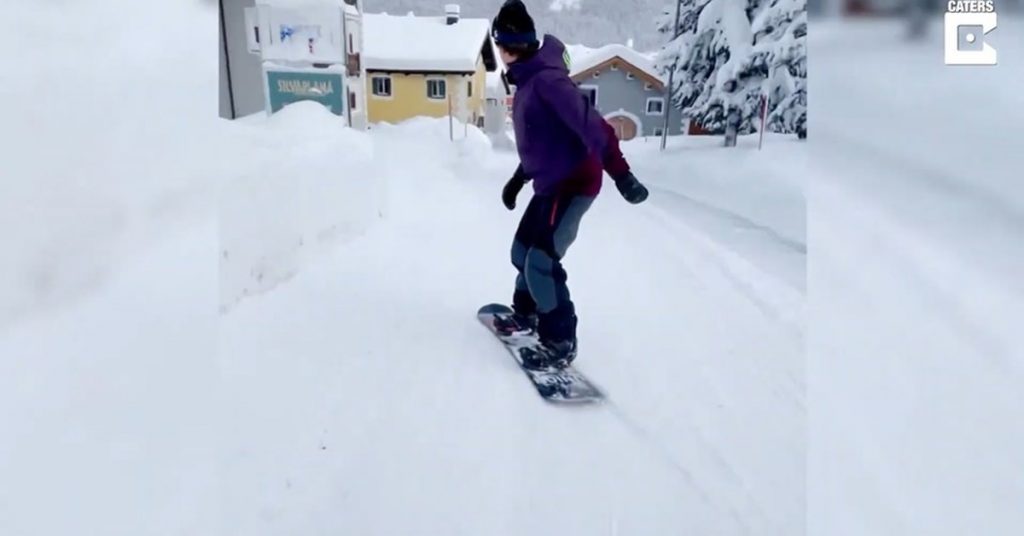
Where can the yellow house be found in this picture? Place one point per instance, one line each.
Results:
(426, 66)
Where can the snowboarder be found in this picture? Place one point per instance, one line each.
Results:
(563, 143)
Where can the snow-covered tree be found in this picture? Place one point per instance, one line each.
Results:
(680, 58)
(707, 56)
(781, 31)
(728, 54)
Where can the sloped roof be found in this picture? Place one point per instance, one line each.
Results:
(598, 56)
(578, 52)
(410, 43)
(343, 4)
(496, 85)
(494, 80)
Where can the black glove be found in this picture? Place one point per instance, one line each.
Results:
(630, 188)
(512, 188)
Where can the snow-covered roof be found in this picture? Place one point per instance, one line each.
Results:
(578, 51)
(349, 8)
(594, 57)
(494, 79)
(496, 86)
(410, 43)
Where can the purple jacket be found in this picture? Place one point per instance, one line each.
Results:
(556, 128)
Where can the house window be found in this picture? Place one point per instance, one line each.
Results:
(351, 101)
(655, 106)
(591, 93)
(469, 88)
(629, 76)
(648, 86)
(658, 131)
(437, 88)
(597, 74)
(381, 86)
(615, 66)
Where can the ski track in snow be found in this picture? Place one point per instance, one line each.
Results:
(738, 222)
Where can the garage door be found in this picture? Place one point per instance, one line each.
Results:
(625, 128)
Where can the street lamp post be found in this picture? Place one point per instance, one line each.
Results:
(671, 85)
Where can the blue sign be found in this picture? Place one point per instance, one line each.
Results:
(286, 87)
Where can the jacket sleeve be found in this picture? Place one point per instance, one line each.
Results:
(614, 162)
(520, 174)
(573, 109)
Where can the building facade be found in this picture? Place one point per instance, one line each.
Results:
(622, 85)
(427, 66)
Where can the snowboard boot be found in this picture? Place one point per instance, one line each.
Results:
(549, 355)
(557, 333)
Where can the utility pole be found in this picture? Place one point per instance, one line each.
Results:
(671, 86)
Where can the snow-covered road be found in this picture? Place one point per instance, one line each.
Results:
(370, 389)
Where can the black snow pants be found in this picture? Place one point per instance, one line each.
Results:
(547, 229)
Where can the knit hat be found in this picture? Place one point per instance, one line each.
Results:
(513, 28)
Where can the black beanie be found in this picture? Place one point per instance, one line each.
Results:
(513, 28)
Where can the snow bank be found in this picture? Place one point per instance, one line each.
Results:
(330, 186)
(112, 139)
(110, 407)
(426, 140)
(110, 157)
(312, 183)
(137, 149)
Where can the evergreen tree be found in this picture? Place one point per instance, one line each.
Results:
(782, 27)
(727, 54)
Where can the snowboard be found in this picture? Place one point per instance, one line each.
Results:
(563, 386)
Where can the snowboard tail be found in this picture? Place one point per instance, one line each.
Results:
(564, 385)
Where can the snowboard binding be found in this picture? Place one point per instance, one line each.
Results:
(508, 325)
(549, 356)
(547, 365)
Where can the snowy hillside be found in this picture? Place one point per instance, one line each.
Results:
(591, 22)
(301, 199)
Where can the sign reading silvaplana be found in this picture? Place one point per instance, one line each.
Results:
(286, 87)
(967, 24)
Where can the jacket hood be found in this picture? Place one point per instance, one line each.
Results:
(551, 55)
